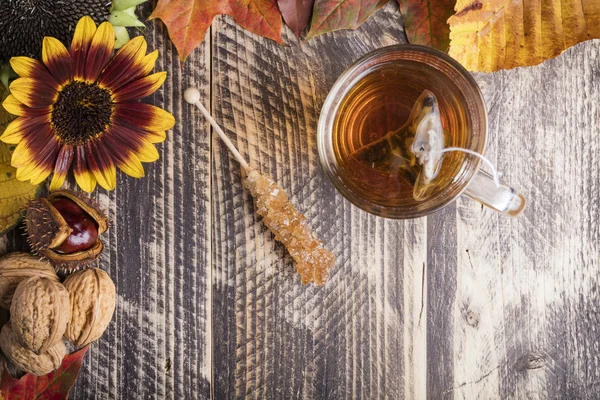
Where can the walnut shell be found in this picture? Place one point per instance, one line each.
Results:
(39, 313)
(92, 295)
(16, 267)
(27, 360)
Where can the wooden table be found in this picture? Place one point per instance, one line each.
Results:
(465, 303)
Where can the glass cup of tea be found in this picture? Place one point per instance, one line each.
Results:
(374, 97)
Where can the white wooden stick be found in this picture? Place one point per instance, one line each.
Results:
(192, 96)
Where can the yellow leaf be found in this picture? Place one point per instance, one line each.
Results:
(14, 194)
(489, 35)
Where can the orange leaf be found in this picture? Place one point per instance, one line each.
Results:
(188, 20)
(53, 386)
(489, 35)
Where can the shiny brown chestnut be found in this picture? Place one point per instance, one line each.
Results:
(64, 228)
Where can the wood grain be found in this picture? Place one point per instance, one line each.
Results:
(158, 254)
(522, 320)
(274, 338)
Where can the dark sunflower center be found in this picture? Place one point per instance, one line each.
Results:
(81, 112)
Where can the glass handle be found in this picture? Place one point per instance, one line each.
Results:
(504, 198)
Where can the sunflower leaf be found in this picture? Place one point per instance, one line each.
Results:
(489, 35)
(55, 385)
(14, 194)
(188, 20)
(121, 5)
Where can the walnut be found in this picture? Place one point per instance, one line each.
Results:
(27, 360)
(39, 313)
(16, 267)
(92, 296)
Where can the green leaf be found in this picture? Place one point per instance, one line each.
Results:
(53, 386)
(333, 15)
(426, 22)
(14, 194)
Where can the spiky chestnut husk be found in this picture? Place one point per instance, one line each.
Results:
(47, 230)
(24, 23)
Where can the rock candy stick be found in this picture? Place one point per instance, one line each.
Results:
(313, 261)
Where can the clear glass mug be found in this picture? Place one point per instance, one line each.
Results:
(467, 177)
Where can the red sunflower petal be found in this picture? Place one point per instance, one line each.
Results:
(27, 67)
(61, 168)
(132, 140)
(83, 176)
(82, 38)
(33, 93)
(40, 166)
(21, 127)
(99, 52)
(32, 146)
(140, 88)
(101, 165)
(143, 116)
(123, 66)
(57, 59)
(123, 156)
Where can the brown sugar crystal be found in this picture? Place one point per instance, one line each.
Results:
(313, 261)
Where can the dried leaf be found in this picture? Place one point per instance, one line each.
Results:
(333, 15)
(425, 22)
(296, 14)
(53, 386)
(188, 20)
(14, 194)
(489, 35)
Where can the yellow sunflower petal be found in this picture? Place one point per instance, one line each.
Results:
(33, 93)
(85, 180)
(99, 52)
(27, 67)
(33, 172)
(84, 32)
(132, 166)
(147, 152)
(107, 178)
(57, 181)
(14, 132)
(22, 155)
(14, 106)
(156, 137)
(148, 63)
(57, 59)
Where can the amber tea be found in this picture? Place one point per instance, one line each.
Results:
(375, 108)
(402, 134)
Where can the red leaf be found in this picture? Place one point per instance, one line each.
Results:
(53, 386)
(426, 22)
(332, 15)
(296, 13)
(188, 20)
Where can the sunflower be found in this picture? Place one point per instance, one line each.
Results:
(78, 109)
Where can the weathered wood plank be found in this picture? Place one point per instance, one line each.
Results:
(274, 338)
(158, 254)
(522, 320)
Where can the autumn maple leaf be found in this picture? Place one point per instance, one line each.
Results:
(188, 20)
